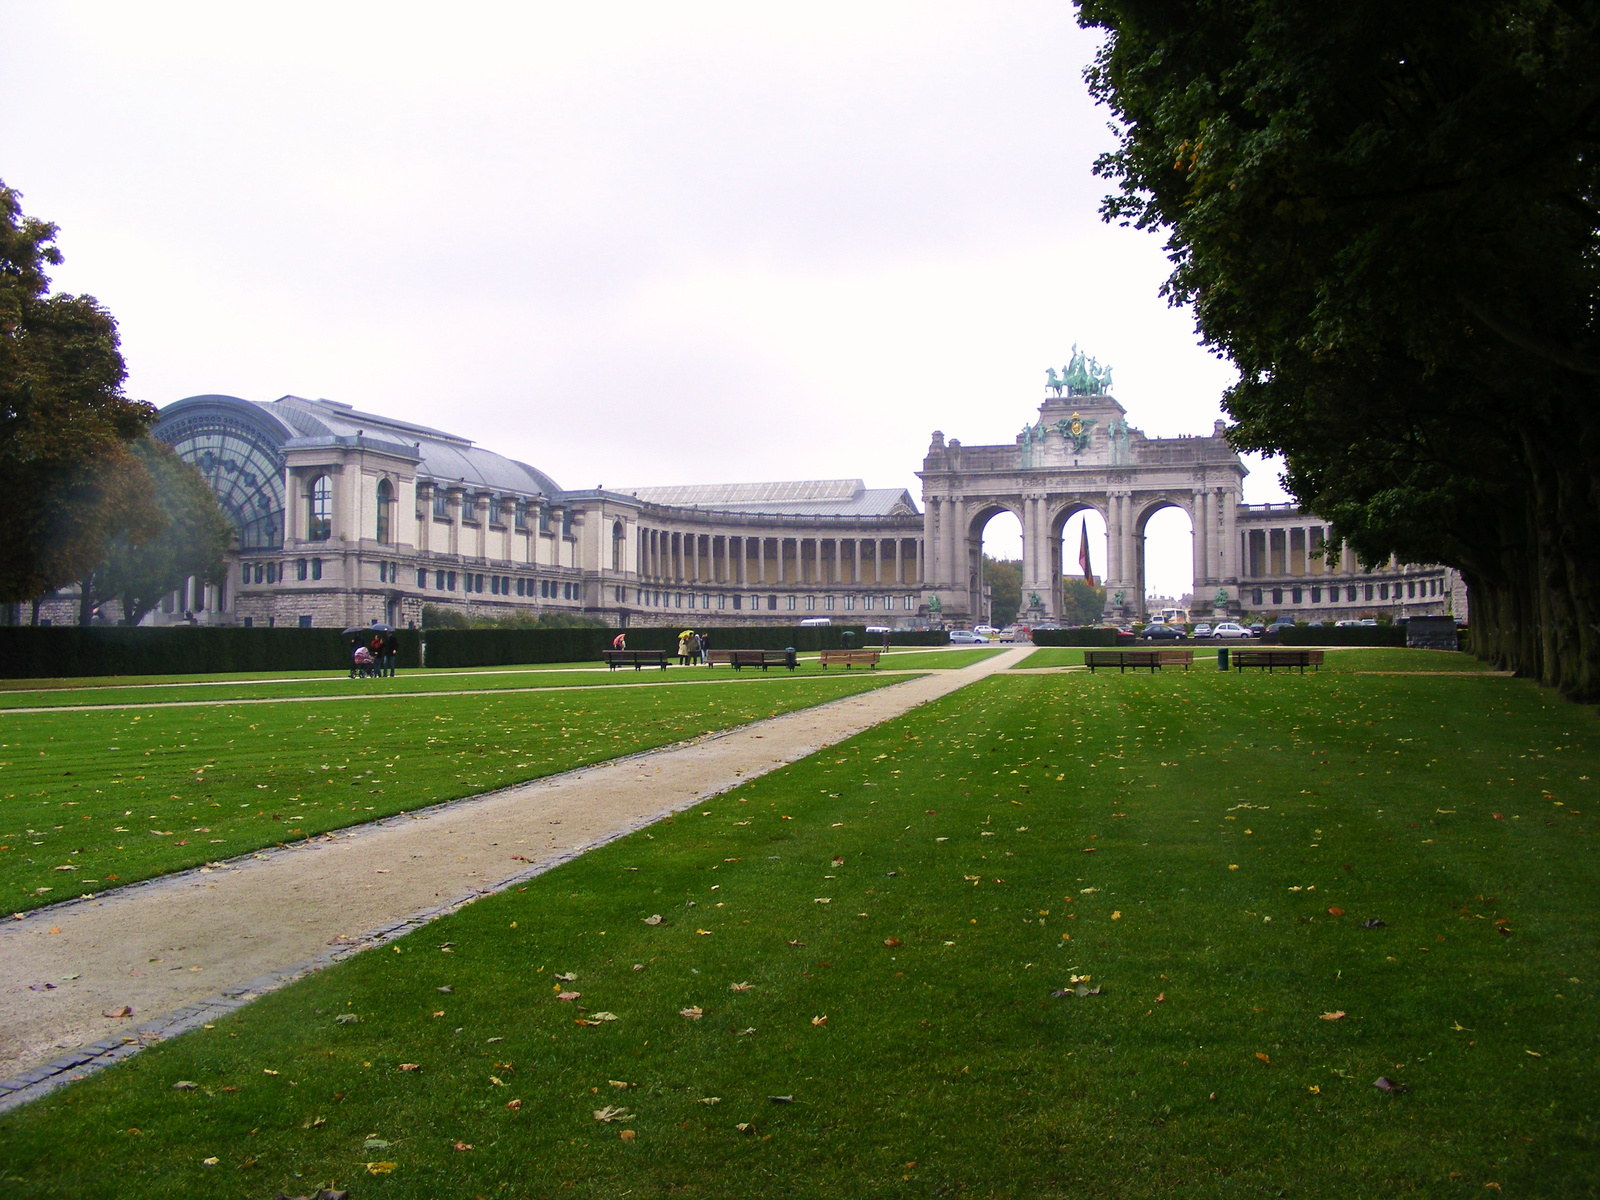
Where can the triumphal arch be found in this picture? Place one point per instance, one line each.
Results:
(1080, 454)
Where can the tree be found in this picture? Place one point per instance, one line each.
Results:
(194, 542)
(1004, 577)
(69, 480)
(1385, 215)
(1082, 603)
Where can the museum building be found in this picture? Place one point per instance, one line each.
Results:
(347, 517)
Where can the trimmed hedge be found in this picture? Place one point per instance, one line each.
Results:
(916, 637)
(506, 647)
(1088, 635)
(67, 651)
(1350, 635)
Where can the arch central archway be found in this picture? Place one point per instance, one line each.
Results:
(979, 589)
(1170, 523)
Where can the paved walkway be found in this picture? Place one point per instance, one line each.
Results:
(178, 949)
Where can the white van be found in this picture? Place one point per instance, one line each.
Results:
(816, 621)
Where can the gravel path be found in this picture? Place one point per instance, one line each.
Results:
(177, 949)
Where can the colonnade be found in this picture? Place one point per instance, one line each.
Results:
(763, 560)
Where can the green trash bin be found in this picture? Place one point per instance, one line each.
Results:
(1222, 658)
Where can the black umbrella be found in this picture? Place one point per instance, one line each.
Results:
(374, 628)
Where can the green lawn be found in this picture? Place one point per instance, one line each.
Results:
(119, 795)
(1204, 848)
(278, 686)
(1339, 661)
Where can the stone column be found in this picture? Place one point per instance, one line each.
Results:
(1230, 537)
(929, 514)
(1197, 548)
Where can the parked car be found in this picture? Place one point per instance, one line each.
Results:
(1283, 622)
(1230, 629)
(1314, 623)
(1257, 629)
(1202, 630)
(880, 630)
(1011, 632)
(963, 637)
(1162, 632)
(1347, 623)
(810, 621)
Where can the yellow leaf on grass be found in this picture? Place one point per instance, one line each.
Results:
(1337, 1015)
(380, 1168)
(1264, 1057)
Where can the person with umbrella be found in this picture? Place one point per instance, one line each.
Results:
(683, 647)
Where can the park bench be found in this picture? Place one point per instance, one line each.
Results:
(1124, 659)
(738, 659)
(849, 658)
(1269, 659)
(1177, 658)
(636, 659)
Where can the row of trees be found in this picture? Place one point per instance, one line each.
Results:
(89, 498)
(1388, 216)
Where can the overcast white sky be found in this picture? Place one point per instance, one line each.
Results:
(630, 244)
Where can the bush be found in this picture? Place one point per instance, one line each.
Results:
(1349, 635)
(1087, 635)
(59, 652)
(506, 647)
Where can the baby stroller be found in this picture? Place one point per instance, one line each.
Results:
(365, 665)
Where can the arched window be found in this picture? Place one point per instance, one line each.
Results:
(320, 527)
(618, 539)
(385, 504)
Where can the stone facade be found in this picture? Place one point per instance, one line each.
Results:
(347, 517)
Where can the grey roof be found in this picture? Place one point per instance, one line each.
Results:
(805, 497)
(445, 457)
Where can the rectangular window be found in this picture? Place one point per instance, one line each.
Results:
(441, 503)
(1316, 595)
(273, 572)
(811, 604)
(738, 602)
(305, 622)
(249, 622)
(1411, 591)
(1369, 591)
(772, 604)
(316, 568)
(1255, 596)
(788, 603)
(1296, 595)
(449, 581)
(910, 604)
(827, 603)
(1350, 592)
(566, 522)
(520, 516)
(867, 602)
(494, 584)
(722, 601)
(299, 568)
(849, 604)
(1383, 591)
(422, 578)
(544, 519)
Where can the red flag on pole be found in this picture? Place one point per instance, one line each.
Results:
(1084, 562)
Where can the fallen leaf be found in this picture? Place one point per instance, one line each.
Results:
(616, 1083)
(709, 1100)
(462, 1146)
(1117, 916)
(823, 900)
(703, 932)
(1373, 923)
(740, 987)
(819, 1020)
(440, 1013)
(891, 942)
(1266, 1058)
(693, 1012)
(568, 995)
(747, 1032)
(1161, 998)
(497, 1081)
(184, 1085)
(373, 1143)
(268, 1071)
(745, 1127)
(596, 1018)
(781, 1099)
(653, 919)
(380, 1168)
(411, 1066)
(1335, 912)
(514, 1105)
(1337, 1015)
(346, 1019)
(612, 1113)
(627, 1135)
(124, 1011)
(1533, 1053)
(566, 976)
(837, 861)
(446, 989)
(1384, 1084)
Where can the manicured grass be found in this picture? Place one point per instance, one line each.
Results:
(1051, 656)
(119, 795)
(1210, 844)
(195, 689)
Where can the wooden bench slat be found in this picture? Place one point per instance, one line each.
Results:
(849, 658)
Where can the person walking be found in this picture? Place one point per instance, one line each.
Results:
(391, 652)
(620, 642)
(705, 649)
(683, 648)
(694, 648)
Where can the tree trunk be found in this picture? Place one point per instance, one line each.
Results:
(86, 601)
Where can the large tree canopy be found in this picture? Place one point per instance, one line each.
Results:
(1387, 216)
(69, 481)
(194, 542)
